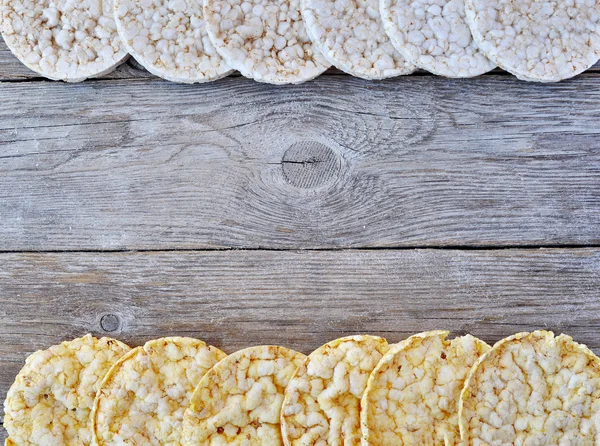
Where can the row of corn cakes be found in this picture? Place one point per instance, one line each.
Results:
(528, 389)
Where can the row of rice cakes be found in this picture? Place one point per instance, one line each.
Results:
(292, 41)
(529, 389)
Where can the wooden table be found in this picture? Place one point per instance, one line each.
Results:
(242, 213)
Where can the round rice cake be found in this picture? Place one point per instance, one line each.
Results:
(537, 40)
(434, 35)
(322, 401)
(51, 399)
(533, 389)
(239, 400)
(350, 35)
(412, 394)
(63, 39)
(264, 39)
(169, 39)
(144, 396)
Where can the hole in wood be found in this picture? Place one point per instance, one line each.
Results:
(309, 164)
(109, 322)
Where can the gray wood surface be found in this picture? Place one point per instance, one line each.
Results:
(235, 299)
(121, 200)
(337, 162)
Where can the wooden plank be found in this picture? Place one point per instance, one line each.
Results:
(235, 299)
(336, 163)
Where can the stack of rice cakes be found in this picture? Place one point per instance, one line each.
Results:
(530, 388)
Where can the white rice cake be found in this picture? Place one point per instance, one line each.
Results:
(169, 39)
(239, 400)
(433, 35)
(533, 389)
(322, 401)
(68, 40)
(264, 39)
(50, 402)
(144, 396)
(412, 395)
(350, 34)
(537, 40)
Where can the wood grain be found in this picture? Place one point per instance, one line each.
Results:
(235, 299)
(414, 162)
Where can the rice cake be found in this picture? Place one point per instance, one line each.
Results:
(537, 40)
(239, 400)
(51, 399)
(350, 35)
(144, 396)
(322, 401)
(63, 39)
(412, 395)
(434, 35)
(533, 389)
(264, 39)
(169, 39)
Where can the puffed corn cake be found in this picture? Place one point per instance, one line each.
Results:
(144, 396)
(412, 394)
(169, 39)
(50, 402)
(350, 35)
(537, 40)
(264, 39)
(322, 401)
(533, 389)
(239, 400)
(63, 40)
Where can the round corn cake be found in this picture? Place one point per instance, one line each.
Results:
(434, 35)
(264, 40)
(169, 39)
(144, 396)
(537, 40)
(51, 399)
(239, 400)
(63, 39)
(412, 394)
(350, 35)
(533, 389)
(322, 401)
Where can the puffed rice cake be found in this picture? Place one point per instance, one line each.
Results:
(537, 40)
(264, 40)
(239, 400)
(434, 35)
(64, 40)
(169, 39)
(350, 35)
(412, 395)
(144, 396)
(50, 402)
(533, 389)
(322, 401)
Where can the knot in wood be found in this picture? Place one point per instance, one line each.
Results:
(309, 164)
(109, 322)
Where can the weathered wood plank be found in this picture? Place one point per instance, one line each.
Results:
(235, 299)
(335, 163)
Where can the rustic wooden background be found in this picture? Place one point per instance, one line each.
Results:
(242, 213)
